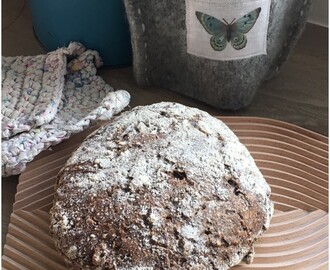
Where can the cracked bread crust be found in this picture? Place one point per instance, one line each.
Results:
(162, 186)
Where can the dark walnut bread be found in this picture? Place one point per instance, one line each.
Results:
(163, 186)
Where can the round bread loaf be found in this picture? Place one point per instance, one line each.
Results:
(163, 186)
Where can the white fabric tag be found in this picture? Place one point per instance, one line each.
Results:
(227, 29)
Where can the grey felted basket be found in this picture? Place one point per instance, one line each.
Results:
(160, 58)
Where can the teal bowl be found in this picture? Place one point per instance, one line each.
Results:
(100, 25)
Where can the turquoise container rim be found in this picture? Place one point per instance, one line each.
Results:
(99, 25)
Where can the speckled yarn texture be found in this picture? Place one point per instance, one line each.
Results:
(158, 34)
(31, 90)
(55, 104)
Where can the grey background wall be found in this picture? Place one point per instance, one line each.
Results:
(319, 12)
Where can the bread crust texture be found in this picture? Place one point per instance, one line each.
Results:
(163, 186)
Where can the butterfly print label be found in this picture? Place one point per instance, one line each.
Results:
(227, 29)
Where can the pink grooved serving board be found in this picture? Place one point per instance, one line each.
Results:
(293, 160)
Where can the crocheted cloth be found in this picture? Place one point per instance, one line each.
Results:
(57, 105)
(32, 88)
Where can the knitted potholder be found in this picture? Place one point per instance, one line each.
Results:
(32, 87)
(85, 99)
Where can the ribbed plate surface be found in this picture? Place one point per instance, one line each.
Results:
(293, 160)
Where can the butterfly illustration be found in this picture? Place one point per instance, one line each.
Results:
(224, 32)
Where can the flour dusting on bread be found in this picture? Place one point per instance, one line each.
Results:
(162, 186)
